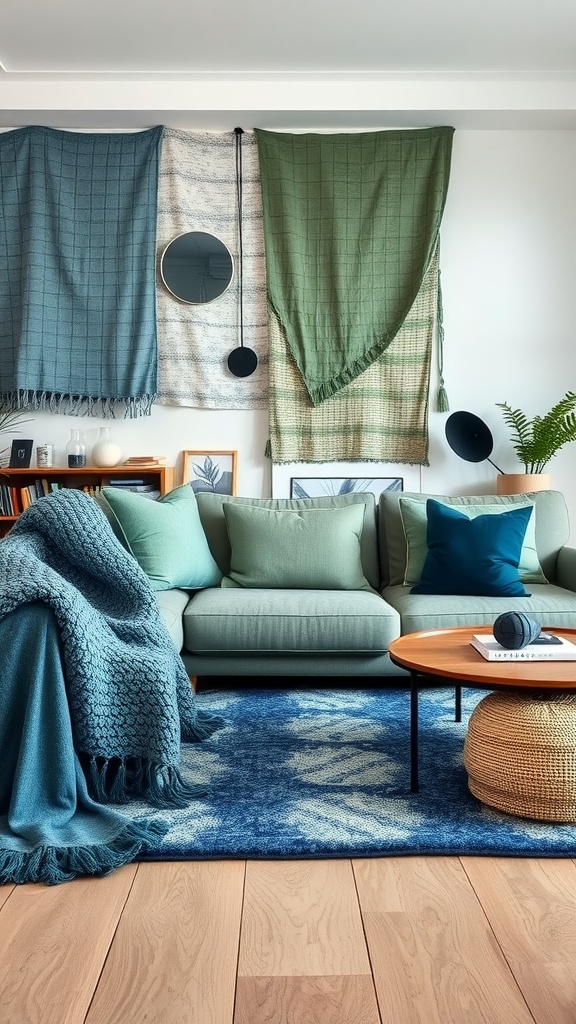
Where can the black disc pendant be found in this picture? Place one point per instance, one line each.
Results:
(242, 361)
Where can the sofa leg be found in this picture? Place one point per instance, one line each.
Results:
(194, 682)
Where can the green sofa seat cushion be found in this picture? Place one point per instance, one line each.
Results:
(310, 549)
(551, 605)
(165, 537)
(288, 621)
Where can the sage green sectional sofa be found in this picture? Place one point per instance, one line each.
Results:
(241, 628)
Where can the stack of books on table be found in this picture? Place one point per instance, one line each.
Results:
(547, 647)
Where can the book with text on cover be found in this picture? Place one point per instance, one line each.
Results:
(547, 648)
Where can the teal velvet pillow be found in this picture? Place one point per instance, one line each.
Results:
(309, 549)
(166, 537)
(414, 523)
(473, 556)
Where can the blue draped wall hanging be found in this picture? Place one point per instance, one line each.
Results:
(77, 270)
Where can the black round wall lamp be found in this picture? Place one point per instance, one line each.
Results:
(470, 438)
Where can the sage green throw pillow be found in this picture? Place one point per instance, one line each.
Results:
(166, 537)
(414, 521)
(311, 549)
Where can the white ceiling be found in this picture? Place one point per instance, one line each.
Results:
(288, 63)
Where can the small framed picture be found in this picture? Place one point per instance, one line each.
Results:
(210, 471)
(320, 486)
(20, 454)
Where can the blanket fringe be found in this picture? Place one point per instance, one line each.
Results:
(203, 724)
(27, 399)
(116, 781)
(53, 865)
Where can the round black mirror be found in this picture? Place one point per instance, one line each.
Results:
(196, 267)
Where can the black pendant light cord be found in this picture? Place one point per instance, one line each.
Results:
(239, 133)
(242, 361)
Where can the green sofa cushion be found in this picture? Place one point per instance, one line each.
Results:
(414, 521)
(212, 516)
(552, 526)
(305, 623)
(551, 605)
(311, 549)
(166, 537)
(476, 556)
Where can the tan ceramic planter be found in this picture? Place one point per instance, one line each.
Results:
(522, 483)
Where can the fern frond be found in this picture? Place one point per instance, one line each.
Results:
(537, 441)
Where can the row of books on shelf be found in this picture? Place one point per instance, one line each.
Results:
(15, 499)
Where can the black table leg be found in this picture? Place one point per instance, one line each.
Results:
(458, 704)
(414, 785)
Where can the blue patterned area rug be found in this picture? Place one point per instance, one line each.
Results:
(325, 773)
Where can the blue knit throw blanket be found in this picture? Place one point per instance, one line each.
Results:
(130, 699)
(78, 270)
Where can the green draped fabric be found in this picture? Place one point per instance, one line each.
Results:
(350, 225)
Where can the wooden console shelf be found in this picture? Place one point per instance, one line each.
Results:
(89, 478)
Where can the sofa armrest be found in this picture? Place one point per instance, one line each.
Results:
(172, 604)
(566, 568)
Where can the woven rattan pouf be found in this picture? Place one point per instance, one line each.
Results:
(520, 754)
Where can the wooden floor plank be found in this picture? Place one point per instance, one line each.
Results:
(476, 940)
(53, 943)
(5, 891)
(305, 1000)
(434, 957)
(301, 918)
(531, 906)
(174, 957)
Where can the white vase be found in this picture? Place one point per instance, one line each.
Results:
(106, 452)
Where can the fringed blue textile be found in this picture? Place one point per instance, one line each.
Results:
(53, 865)
(94, 699)
(78, 270)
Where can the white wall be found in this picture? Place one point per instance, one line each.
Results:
(508, 272)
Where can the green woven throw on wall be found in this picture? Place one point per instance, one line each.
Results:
(381, 416)
(350, 224)
(78, 270)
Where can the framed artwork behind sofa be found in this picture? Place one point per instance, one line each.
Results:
(210, 471)
(319, 486)
(322, 477)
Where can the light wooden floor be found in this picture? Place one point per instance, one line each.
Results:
(402, 940)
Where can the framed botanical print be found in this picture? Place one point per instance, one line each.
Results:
(210, 471)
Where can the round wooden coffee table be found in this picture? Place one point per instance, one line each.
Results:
(447, 654)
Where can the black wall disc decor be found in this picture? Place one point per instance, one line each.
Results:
(242, 361)
(470, 438)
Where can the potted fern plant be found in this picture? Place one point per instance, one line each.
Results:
(536, 441)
